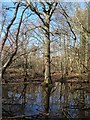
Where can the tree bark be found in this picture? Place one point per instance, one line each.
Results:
(47, 79)
(88, 42)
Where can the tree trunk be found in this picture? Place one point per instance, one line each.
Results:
(47, 55)
(46, 28)
(0, 87)
(89, 42)
(46, 100)
(47, 80)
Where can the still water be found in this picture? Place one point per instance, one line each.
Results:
(68, 99)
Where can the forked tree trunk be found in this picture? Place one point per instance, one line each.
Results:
(47, 14)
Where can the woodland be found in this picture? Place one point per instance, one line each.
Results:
(45, 60)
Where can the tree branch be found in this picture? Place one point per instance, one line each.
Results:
(16, 46)
(69, 24)
(53, 9)
(10, 24)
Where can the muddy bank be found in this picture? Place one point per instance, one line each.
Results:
(56, 77)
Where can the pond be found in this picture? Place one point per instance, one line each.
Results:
(66, 100)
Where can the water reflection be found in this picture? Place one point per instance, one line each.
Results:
(28, 99)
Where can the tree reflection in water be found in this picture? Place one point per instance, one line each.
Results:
(28, 99)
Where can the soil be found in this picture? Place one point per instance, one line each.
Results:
(56, 76)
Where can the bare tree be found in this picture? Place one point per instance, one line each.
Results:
(8, 62)
(45, 16)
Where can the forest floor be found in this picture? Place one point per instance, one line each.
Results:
(12, 76)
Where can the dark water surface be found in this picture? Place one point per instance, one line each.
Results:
(68, 99)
